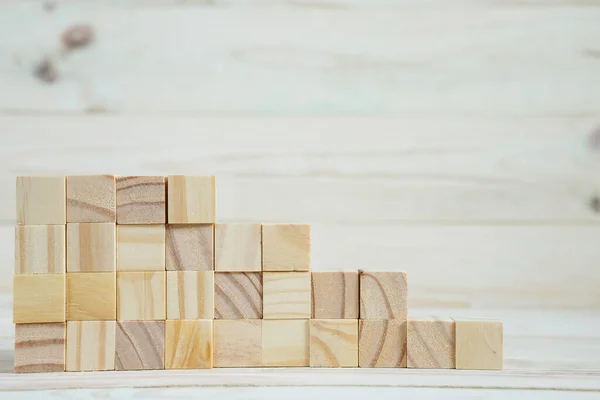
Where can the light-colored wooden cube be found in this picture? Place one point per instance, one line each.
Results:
(190, 247)
(189, 344)
(41, 200)
(141, 200)
(140, 247)
(285, 247)
(238, 247)
(140, 345)
(333, 343)
(479, 344)
(335, 295)
(91, 247)
(237, 343)
(286, 295)
(91, 198)
(39, 347)
(141, 296)
(39, 298)
(238, 295)
(40, 249)
(91, 296)
(383, 295)
(431, 343)
(285, 343)
(90, 345)
(192, 199)
(190, 295)
(382, 343)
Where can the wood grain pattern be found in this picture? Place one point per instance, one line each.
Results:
(237, 343)
(90, 345)
(38, 298)
(190, 247)
(286, 295)
(431, 343)
(141, 296)
(91, 198)
(40, 249)
(41, 200)
(140, 247)
(192, 199)
(285, 343)
(238, 295)
(91, 296)
(383, 295)
(190, 295)
(141, 200)
(39, 347)
(91, 247)
(140, 345)
(382, 343)
(286, 247)
(189, 344)
(479, 343)
(335, 295)
(333, 343)
(238, 247)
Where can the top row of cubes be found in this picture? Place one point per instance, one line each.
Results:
(51, 200)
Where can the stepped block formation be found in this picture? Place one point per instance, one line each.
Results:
(134, 273)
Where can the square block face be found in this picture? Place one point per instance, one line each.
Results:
(39, 298)
(140, 345)
(479, 344)
(238, 295)
(141, 296)
(41, 200)
(91, 296)
(189, 344)
(335, 295)
(383, 295)
(91, 198)
(90, 345)
(431, 343)
(334, 343)
(141, 248)
(40, 249)
(192, 199)
(190, 247)
(141, 200)
(190, 295)
(238, 247)
(91, 247)
(285, 343)
(39, 347)
(237, 343)
(286, 295)
(286, 247)
(382, 343)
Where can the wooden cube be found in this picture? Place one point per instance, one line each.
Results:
(238, 295)
(141, 296)
(190, 295)
(431, 343)
(38, 298)
(192, 199)
(91, 247)
(140, 345)
(40, 249)
(383, 295)
(285, 343)
(335, 295)
(238, 247)
(382, 343)
(286, 295)
(479, 344)
(190, 247)
(237, 343)
(141, 200)
(189, 344)
(285, 247)
(91, 198)
(41, 200)
(334, 343)
(91, 296)
(90, 345)
(141, 247)
(39, 347)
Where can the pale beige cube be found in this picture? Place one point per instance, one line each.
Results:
(90, 346)
(41, 200)
(238, 247)
(285, 343)
(286, 295)
(334, 343)
(190, 295)
(192, 199)
(479, 344)
(40, 249)
(140, 247)
(285, 247)
(238, 343)
(91, 247)
(141, 296)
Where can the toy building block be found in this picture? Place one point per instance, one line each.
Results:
(382, 343)
(431, 343)
(90, 345)
(38, 298)
(141, 200)
(335, 295)
(91, 247)
(238, 247)
(285, 247)
(91, 296)
(383, 295)
(40, 249)
(41, 200)
(479, 344)
(237, 343)
(190, 295)
(286, 295)
(238, 295)
(285, 343)
(91, 198)
(141, 296)
(189, 344)
(40, 347)
(140, 247)
(190, 247)
(192, 199)
(140, 345)
(333, 343)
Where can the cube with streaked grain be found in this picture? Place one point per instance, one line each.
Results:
(41, 200)
(39, 298)
(91, 247)
(140, 247)
(91, 198)
(479, 343)
(190, 295)
(286, 295)
(285, 343)
(333, 343)
(190, 247)
(238, 247)
(335, 295)
(141, 296)
(90, 345)
(383, 295)
(140, 345)
(431, 343)
(189, 344)
(141, 200)
(192, 199)
(238, 295)
(39, 347)
(285, 247)
(91, 296)
(40, 249)
(382, 343)
(237, 343)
